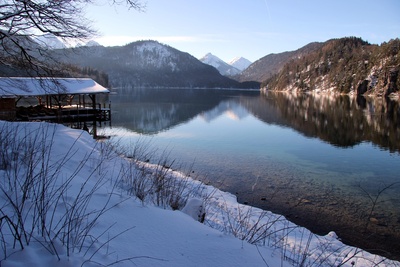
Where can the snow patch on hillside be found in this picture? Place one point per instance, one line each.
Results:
(157, 55)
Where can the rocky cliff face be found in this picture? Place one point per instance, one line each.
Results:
(346, 65)
(382, 80)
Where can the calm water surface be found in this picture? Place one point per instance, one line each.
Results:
(321, 161)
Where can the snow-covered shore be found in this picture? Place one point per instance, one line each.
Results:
(95, 219)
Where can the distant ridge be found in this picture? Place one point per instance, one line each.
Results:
(149, 64)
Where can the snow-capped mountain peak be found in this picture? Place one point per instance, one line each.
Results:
(223, 67)
(50, 41)
(240, 63)
(212, 60)
(92, 43)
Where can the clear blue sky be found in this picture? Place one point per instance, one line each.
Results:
(248, 28)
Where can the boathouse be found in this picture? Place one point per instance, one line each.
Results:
(53, 99)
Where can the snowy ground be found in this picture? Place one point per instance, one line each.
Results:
(76, 207)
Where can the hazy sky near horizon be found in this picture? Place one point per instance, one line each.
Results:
(247, 28)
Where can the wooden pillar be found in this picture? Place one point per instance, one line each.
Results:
(93, 97)
(109, 112)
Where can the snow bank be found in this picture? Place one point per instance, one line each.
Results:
(132, 232)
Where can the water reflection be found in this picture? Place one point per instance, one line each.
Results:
(150, 111)
(342, 121)
(249, 144)
(339, 120)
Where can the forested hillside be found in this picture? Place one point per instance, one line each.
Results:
(342, 65)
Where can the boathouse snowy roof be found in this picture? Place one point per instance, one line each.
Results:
(12, 87)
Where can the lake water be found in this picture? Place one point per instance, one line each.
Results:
(327, 163)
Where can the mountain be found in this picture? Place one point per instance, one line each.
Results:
(345, 65)
(223, 67)
(92, 43)
(240, 63)
(50, 41)
(271, 64)
(148, 64)
(89, 43)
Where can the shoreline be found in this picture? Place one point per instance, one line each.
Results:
(377, 234)
(308, 205)
(395, 96)
(333, 221)
(379, 239)
(225, 218)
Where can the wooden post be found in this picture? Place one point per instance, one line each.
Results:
(93, 97)
(109, 112)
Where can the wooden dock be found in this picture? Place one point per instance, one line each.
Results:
(65, 114)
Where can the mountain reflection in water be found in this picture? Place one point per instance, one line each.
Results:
(317, 159)
(339, 120)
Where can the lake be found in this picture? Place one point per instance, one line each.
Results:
(325, 162)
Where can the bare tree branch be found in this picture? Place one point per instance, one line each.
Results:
(22, 21)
